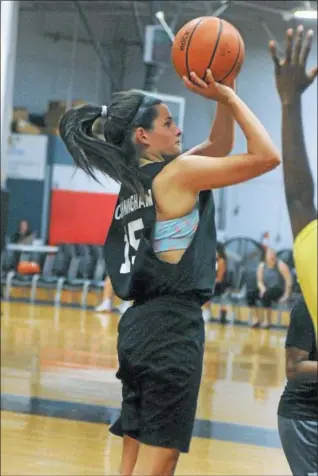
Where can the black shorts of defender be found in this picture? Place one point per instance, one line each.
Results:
(160, 351)
(299, 442)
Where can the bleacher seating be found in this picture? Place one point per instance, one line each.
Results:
(78, 271)
(74, 268)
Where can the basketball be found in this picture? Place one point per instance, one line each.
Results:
(208, 43)
(28, 267)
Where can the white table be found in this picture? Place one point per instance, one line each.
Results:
(27, 250)
(32, 248)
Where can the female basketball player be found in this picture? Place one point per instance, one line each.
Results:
(160, 253)
(291, 81)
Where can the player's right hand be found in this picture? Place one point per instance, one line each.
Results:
(292, 79)
(208, 88)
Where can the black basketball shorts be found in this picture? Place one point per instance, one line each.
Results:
(160, 351)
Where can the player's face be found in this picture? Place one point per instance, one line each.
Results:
(164, 138)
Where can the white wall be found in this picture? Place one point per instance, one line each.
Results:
(43, 68)
(42, 73)
(65, 177)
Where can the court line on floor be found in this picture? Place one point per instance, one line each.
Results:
(216, 430)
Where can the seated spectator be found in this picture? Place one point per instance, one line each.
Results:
(274, 284)
(23, 235)
(23, 232)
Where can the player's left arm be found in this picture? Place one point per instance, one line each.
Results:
(299, 367)
(299, 344)
(221, 138)
(292, 80)
(285, 271)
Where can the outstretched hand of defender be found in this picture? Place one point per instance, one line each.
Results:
(208, 87)
(292, 79)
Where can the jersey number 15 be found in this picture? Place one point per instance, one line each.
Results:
(131, 242)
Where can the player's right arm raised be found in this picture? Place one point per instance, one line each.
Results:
(201, 173)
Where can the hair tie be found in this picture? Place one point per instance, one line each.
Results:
(104, 111)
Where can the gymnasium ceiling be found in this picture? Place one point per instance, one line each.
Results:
(120, 7)
(122, 19)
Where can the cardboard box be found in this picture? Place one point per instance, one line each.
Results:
(53, 131)
(55, 111)
(20, 114)
(78, 102)
(61, 104)
(24, 127)
(52, 105)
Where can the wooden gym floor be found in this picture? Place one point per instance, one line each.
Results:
(59, 395)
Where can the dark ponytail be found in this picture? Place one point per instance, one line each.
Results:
(117, 156)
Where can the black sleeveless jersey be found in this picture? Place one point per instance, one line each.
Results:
(135, 271)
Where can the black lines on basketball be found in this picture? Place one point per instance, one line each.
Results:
(215, 47)
(188, 46)
(208, 43)
(235, 62)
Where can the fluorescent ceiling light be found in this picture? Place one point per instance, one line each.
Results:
(306, 14)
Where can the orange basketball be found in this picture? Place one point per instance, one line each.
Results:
(208, 43)
(28, 267)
